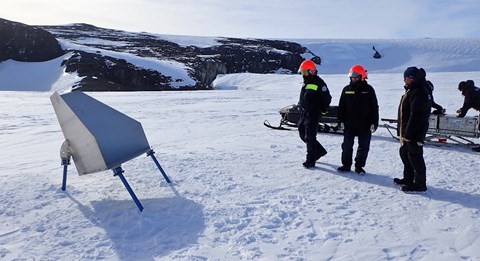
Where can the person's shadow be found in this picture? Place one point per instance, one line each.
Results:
(465, 199)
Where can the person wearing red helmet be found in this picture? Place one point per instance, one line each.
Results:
(314, 100)
(358, 114)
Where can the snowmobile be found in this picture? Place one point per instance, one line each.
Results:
(291, 114)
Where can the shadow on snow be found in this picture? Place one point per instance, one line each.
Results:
(165, 225)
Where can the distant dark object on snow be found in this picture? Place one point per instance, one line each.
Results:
(377, 54)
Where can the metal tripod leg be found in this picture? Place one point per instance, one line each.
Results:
(118, 171)
(65, 167)
(150, 153)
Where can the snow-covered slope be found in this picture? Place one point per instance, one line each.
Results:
(239, 190)
(435, 55)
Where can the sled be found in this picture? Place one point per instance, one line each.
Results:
(290, 115)
(444, 128)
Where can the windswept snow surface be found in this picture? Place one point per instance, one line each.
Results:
(239, 190)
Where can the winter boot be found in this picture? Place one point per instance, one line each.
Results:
(309, 164)
(401, 182)
(360, 170)
(343, 169)
(414, 188)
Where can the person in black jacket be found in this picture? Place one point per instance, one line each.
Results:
(314, 100)
(472, 97)
(413, 115)
(358, 113)
(472, 100)
(439, 110)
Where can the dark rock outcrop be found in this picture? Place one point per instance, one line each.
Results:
(100, 71)
(225, 55)
(110, 74)
(25, 43)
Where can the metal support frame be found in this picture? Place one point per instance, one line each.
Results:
(151, 154)
(457, 139)
(65, 164)
(65, 156)
(118, 171)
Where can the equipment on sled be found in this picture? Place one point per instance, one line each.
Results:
(291, 115)
(442, 128)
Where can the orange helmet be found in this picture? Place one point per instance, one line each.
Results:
(357, 70)
(307, 67)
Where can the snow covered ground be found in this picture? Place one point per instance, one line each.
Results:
(239, 189)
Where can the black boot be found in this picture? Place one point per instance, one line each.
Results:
(360, 170)
(402, 182)
(309, 164)
(343, 169)
(414, 188)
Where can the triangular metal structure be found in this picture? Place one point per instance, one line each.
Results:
(98, 137)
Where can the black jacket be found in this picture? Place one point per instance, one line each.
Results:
(472, 98)
(414, 110)
(430, 88)
(314, 95)
(358, 106)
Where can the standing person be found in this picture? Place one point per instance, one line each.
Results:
(314, 100)
(471, 100)
(358, 113)
(413, 115)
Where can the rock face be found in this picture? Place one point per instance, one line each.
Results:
(110, 74)
(102, 72)
(25, 43)
(226, 55)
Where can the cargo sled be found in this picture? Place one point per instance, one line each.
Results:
(291, 114)
(445, 129)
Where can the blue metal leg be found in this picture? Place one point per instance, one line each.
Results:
(118, 172)
(150, 153)
(65, 167)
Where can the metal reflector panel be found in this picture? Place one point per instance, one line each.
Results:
(100, 137)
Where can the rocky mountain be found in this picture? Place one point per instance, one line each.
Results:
(93, 56)
(25, 43)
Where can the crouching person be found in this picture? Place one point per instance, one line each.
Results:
(471, 96)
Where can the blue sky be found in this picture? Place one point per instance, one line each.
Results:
(340, 19)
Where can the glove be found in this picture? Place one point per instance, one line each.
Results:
(459, 112)
(373, 128)
(341, 126)
(439, 111)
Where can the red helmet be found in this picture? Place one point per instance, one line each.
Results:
(307, 67)
(357, 70)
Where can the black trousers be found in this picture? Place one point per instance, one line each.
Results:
(364, 136)
(414, 169)
(307, 129)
